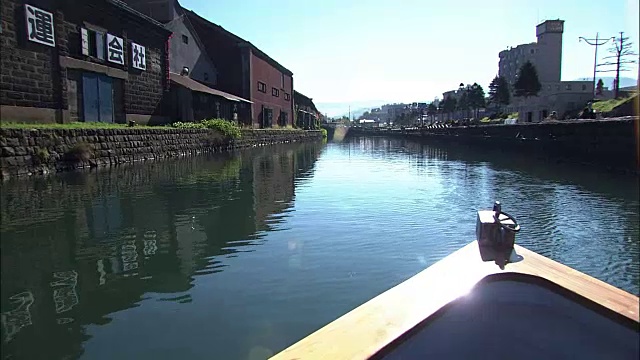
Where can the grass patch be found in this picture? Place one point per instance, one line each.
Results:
(227, 128)
(72, 125)
(513, 115)
(282, 128)
(606, 106)
(41, 156)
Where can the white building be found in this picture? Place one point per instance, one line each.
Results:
(546, 55)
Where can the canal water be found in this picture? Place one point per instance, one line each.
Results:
(237, 256)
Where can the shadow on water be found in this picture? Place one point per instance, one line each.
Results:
(77, 247)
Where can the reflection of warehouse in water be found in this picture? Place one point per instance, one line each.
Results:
(122, 237)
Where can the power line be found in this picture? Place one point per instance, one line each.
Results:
(595, 42)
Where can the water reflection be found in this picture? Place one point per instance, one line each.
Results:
(239, 255)
(18, 317)
(581, 216)
(87, 245)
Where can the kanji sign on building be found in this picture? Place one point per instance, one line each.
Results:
(138, 56)
(115, 49)
(39, 25)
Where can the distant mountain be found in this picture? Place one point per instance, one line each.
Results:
(357, 107)
(342, 108)
(608, 81)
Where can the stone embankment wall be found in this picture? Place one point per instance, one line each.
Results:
(29, 151)
(609, 142)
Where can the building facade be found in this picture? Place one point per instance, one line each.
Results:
(194, 93)
(95, 60)
(545, 54)
(562, 97)
(227, 63)
(307, 115)
(247, 72)
(392, 112)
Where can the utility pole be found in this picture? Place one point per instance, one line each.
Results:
(620, 52)
(594, 42)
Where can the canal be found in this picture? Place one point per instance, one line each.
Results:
(237, 256)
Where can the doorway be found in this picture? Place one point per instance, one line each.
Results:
(97, 98)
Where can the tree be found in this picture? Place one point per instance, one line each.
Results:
(450, 104)
(499, 93)
(600, 87)
(622, 56)
(432, 110)
(464, 101)
(476, 98)
(403, 119)
(441, 108)
(414, 115)
(527, 83)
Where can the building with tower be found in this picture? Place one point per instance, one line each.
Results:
(563, 97)
(545, 54)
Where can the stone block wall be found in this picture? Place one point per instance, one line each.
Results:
(30, 151)
(27, 75)
(37, 83)
(610, 142)
(142, 92)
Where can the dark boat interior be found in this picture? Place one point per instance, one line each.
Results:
(516, 316)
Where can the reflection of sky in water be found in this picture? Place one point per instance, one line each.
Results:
(238, 257)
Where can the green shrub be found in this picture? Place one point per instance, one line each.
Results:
(41, 156)
(227, 128)
(324, 133)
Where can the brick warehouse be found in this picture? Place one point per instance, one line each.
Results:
(246, 71)
(95, 60)
(242, 69)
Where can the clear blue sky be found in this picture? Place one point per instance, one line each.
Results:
(410, 50)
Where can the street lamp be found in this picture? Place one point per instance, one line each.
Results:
(594, 42)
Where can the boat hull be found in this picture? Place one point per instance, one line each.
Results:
(385, 322)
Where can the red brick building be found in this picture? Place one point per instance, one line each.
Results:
(246, 71)
(263, 86)
(90, 60)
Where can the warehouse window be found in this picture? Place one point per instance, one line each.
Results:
(93, 43)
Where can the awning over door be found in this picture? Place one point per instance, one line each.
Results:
(193, 85)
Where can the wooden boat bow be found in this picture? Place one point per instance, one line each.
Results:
(369, 328)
